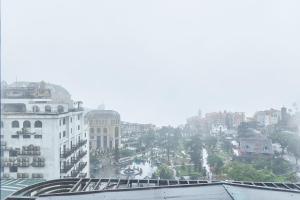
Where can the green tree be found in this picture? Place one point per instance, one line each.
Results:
(211, 142)
(282, 138)
(195, 150)
(215, 162)
(294, 147)
(226, 146)
(246, 172)
(164, 172)
(148, 139)
(117, 154)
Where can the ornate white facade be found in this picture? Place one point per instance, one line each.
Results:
(104, 129)
(41, 136)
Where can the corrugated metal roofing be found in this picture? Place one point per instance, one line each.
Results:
(151, 189)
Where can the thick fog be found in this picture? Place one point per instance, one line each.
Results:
(157, 61)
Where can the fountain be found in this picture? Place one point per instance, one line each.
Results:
(131, 171)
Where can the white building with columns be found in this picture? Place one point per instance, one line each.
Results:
(104, 129)
(43, 134)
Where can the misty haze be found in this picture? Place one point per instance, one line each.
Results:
(112, 95)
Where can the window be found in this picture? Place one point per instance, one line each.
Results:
(60, 109)
(35, 109)
(38, 124)
(2, 124)
(71, 130)
(98, 141)
(78, 127)
(26, 136)
(64, 133)
(64, 121)
(116, 131)
(13, 169)
(47, 108)
(266, 148)
(13, 153)
(71, 119)
(105, 142)
(60, 122)
(98, 130)
(59, 135)
(15, 124)
(91, 130)
(14, 107)
(78, 117)
(14, 136)
(26, 124)
(37, 136)
(105, 130)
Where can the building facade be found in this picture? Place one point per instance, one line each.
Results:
(43, 134)
(104, 129)
(268, 117)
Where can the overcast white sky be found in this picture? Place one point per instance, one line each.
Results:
(158, 61)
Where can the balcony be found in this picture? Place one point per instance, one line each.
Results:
(74, 173)
(67, 152)
(66, 168)
(82, 142)
(80, 155)
(81, 166)
(82, 175)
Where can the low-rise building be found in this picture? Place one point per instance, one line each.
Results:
(255, 145)
(268, 117)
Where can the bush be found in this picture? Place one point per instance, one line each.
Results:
(164, 172)
(127, 153)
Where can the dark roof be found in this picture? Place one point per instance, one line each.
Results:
(151, 189)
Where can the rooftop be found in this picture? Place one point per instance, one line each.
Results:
(102, 114)
(9, 186)
(152, 189)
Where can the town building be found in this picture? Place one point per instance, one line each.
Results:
(132, 131)
(213, 122)
(268, 117)
(136, 128)
(104, 129)
(257, 144)
(43, 134)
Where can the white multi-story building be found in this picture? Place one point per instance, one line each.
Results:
(43, 134)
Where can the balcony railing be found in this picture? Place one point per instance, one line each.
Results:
(81, 166)
(66, 168)
(82, 175)
(67, 152)
(80, 155)
(74, 172)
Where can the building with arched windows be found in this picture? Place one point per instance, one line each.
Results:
(43, 133)
(104, 129)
